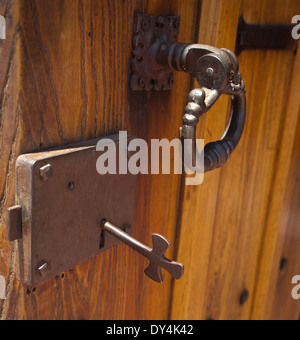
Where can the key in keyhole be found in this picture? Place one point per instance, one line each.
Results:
(155, 255)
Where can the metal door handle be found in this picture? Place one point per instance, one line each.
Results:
(157, 54)
(217, 72)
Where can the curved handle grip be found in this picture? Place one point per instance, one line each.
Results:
(216, 154)
(218, 73)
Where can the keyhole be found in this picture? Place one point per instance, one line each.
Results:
(102, 239)
(71, 186)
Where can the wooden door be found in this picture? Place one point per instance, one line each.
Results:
(64, 77)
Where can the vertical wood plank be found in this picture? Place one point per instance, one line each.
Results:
(64, 78)
(277, 218)
(10, 130)
(284, 307)
(218, 27)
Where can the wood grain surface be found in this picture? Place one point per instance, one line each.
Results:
(281, 212)
(230, 225)
(64, 78)
(283, 306)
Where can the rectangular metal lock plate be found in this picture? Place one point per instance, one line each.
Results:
(63, 200)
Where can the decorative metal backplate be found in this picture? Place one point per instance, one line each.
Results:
(64, 200)
(150, 33)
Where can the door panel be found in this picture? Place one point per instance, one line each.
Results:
(283, 307)
(231, 223)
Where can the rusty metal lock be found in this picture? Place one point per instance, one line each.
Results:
(61, 200)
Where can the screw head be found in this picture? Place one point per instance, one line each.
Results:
(164, 47)
(142, 83)
(71, 186)
(144, 24)
(283, 263)
(244, 297)
(210, 71)
(46, 172)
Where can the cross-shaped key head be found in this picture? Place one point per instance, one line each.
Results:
(158, 260)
